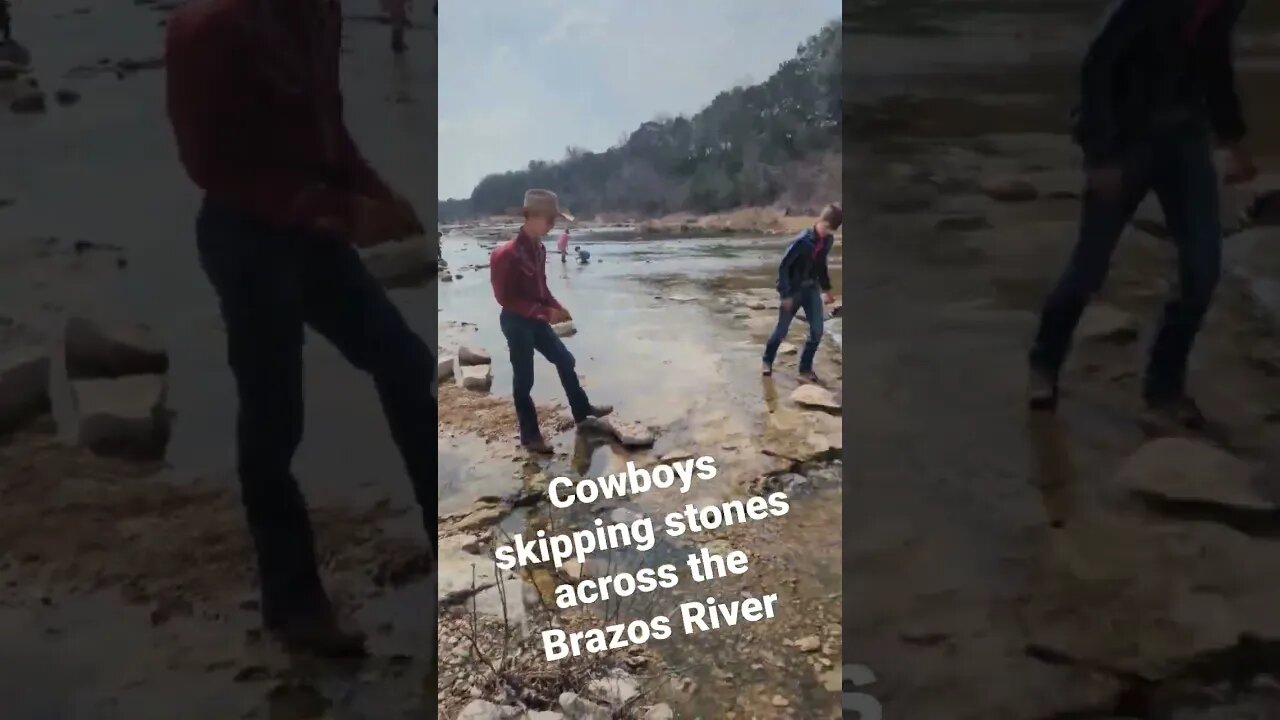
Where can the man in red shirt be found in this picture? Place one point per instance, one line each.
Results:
(253, 97)
(518, 271)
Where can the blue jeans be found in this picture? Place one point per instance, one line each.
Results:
(525, 335)
(269, 284)
(1178, 166)
(809, 298)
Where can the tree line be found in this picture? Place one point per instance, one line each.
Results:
(733, 153)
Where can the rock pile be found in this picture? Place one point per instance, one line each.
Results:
(26, 96)
(24, 387)
(118, 377)
(475, 369)
(1181, 470)
(801, 435)
(814, 396)
(628, 434)
(575, 706)
(99, 350)
(408, 263)
(444, 367)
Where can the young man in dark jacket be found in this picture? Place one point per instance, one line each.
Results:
(1157, 88)
(255, 105)
(804, 283)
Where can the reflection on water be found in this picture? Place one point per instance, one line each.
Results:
(770, 392)
(586, 452)
(1054, 472)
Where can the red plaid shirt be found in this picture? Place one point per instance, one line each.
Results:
(1204, 10)
(254, 100)
(518, 272)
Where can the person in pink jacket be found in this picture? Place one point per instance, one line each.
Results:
(562, 246)
(398, 12)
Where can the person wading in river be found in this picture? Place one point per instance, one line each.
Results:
(518, 271)
(6, 23)
(805, 284)
(1158, 85)
(562, 245)
(254, 101)
(398, 13)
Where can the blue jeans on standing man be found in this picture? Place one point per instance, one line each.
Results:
(809, 298)
(524, 336)
(1177, 164)
(269, 285)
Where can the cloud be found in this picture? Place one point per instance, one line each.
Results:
(540, 75)
(577, 22)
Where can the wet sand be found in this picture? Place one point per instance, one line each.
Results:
(127, 590)
(1003, 565)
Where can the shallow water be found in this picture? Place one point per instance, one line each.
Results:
(654, 338)
(624, 319)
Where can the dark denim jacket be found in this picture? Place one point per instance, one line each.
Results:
(799, 268)
(1143, 71)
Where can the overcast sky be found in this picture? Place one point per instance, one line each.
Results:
(521, 80)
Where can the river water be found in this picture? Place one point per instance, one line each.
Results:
(654, 338)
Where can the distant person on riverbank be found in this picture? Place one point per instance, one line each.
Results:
(255, 106)
(398, 12)
(804, 283)
(584, 257)
(1158, 87)
(518, 271)
(562, 245)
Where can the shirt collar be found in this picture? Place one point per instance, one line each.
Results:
(525, 240)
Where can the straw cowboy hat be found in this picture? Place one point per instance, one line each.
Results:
(544, 202)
